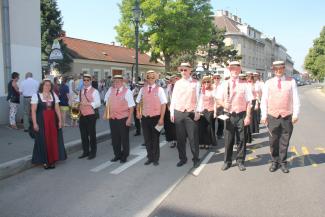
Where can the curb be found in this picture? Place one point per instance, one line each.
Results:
(13, 167)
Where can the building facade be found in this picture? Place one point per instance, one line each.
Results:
(20, 45)
(103, 60)
(257, 52)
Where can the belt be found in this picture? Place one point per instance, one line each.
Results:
(27, 97)
(236, 114)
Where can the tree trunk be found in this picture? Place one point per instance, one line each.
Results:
(168, 60)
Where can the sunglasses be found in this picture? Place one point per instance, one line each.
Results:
(206, 82)
(150, 77)
(216, 78)
(183, 70)
(86, 79)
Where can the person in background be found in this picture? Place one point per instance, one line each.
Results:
(64, 101)
(46, 118)
(137, 122)
(56, 86)
(218, 108)
(94, 82)
(28, 88)
(14, 99)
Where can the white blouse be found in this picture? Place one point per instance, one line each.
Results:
(34, 99)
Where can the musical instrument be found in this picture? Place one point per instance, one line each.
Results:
(106, 114)
(75, 111)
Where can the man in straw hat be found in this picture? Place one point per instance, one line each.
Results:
(236, 99)
(280, 108)
(183, 112)
(89, 101)
(119, 103)
(152, 100)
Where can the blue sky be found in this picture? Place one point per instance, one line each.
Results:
(294, 23)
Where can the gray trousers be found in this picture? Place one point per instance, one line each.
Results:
(26, 105)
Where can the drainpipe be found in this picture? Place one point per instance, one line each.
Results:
(6, 41)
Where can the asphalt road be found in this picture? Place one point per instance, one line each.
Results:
(97, 188)
(257, 192)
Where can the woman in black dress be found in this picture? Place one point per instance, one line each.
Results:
(48, 146)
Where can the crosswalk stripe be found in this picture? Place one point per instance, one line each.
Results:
(297, 155)
(101, 166)
(128, 164)
(306, 153)
(197, 171)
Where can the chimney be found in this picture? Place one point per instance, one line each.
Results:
(113, 43)
(239, 20)
(235, 18)
(226, 13)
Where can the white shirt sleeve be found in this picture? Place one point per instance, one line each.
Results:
(139, 97)
(173, 101)
(108, 93)
(96, 103)
(34, 99)
(56, 98)
(162, 96)
(129, 98)
(200, 104)
(220, 91)
(264, 99)
(248, 94)
(296, 100)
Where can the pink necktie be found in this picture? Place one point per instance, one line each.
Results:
(279, 84)
(233, 84)
(149, 89)
(116, 92)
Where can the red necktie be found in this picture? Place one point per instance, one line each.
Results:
(85, 92)
(279, 84)
(116, 92)
(149, 89)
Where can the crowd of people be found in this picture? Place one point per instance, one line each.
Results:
(191, 111)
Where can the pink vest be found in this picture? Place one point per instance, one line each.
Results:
(185, 95)
(118, 105)
(237, 97)
(208, 100)
(87, 109)
(151, 102)
(280, 101)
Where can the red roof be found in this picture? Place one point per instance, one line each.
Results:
(83, 49)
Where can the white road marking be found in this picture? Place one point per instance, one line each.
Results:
(140, 152)
(101, 166)
(197, 171)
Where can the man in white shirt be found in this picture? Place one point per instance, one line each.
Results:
(279, 111)
(28, 88)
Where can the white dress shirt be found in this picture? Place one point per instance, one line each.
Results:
(128, 96)
(219, 94)
(29, 87)
(34, 99)
(295, 99)
(161, 94)
(96, 103)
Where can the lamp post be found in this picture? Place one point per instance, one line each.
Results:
(137, 12)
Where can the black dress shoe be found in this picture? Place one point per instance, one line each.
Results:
(196, 163)
(284, 168)
(274, 167)
(137, 134)
(46, 166)
(143, 144)
(92, 156)
(241, 166)
(83, 156)
(226, 166)
(181, 163)
(52, 166)
(148, 162)
(115, 159)
(156, 163)
(123, 160)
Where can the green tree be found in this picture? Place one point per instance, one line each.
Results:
(315, 59)
(171, 27)
(216, 51)
(51, 29)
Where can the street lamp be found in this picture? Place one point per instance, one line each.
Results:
(137, 12)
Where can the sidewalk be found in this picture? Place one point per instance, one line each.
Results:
(17, 146)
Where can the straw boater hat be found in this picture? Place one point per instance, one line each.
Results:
(152, 72)
(234, 63)
(140, 83)
(186, 65)
(255, 74)
(206, 78)
(242, 75)
(278, 63)
(167, 78)
(87, 76)
(118, 76)
(248, 73)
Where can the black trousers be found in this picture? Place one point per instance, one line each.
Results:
(220, 123)
(120, 138)
(207, 129)
(87, 126)
(235, 125)
(136, 122)
(186, 127)
(170, 130)
(254, 126)
(151, 137)
(281, 130)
